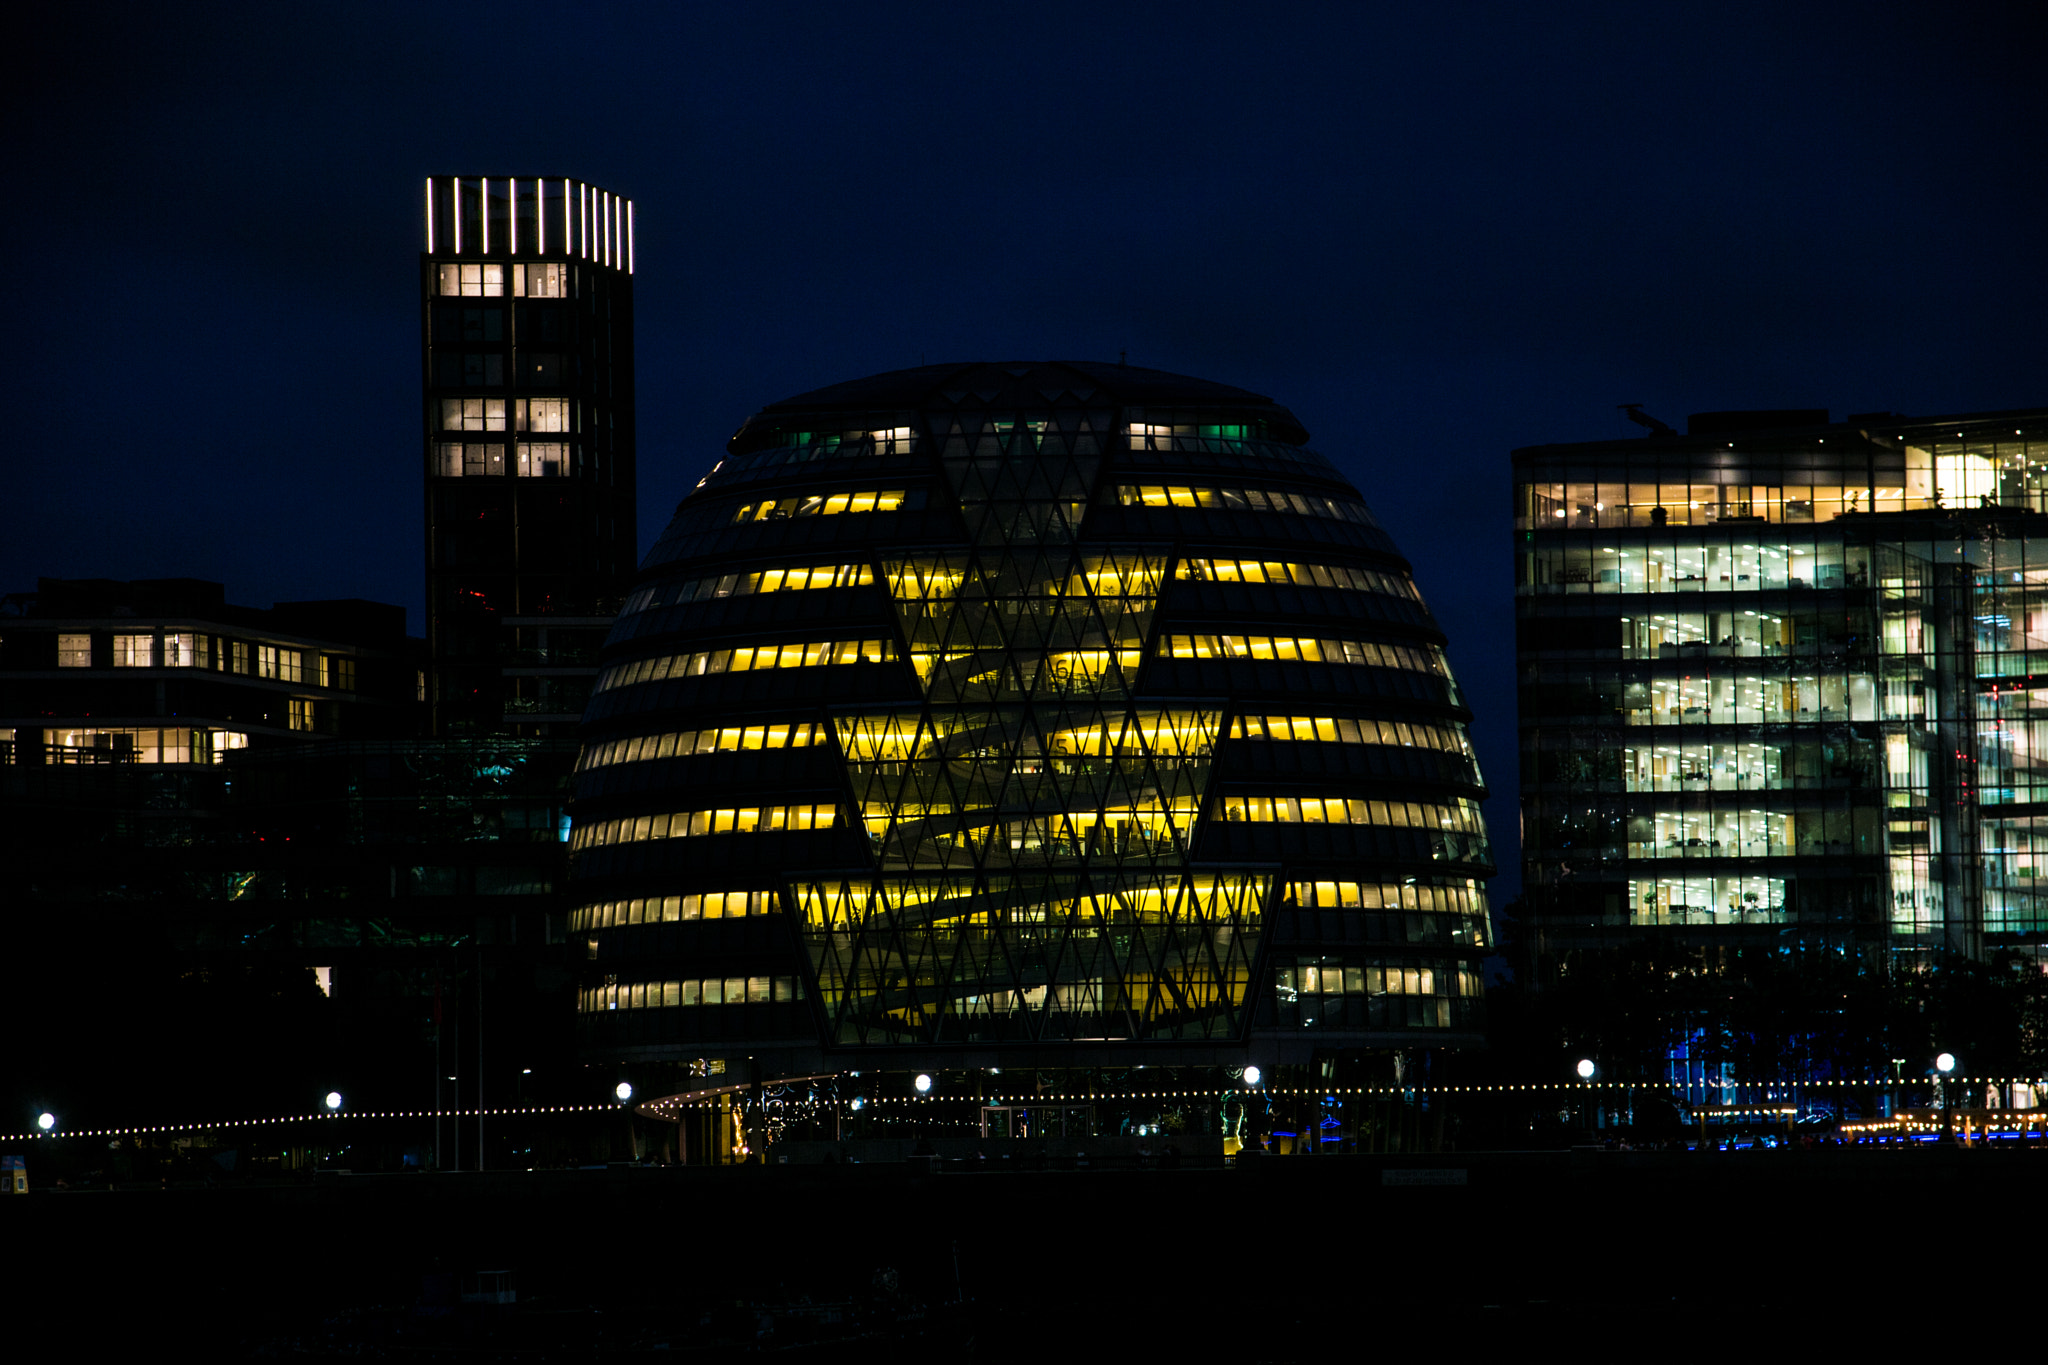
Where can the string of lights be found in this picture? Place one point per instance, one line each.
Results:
(666, 1107)
(166, 1128)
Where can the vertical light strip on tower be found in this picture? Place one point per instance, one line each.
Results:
(629, 236)
(430, 215)
(457, 183)
(512, 203)
(483, 202)
(568, 231)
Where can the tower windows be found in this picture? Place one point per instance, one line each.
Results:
(478, 279)
(473, 414)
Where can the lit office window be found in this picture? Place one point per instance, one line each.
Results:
(341, 674)
(1347, 730)
(74, 651)
(484, 279)
(182, 649)
(744, 584)
(673, 909)
(728, 990)
(543, 460)
(134, 651)
(805, 654)
(299, 713)
(1358, 653)
(692, 823)
(472, 460)
(539, 280)
(1460, 816)
(1302, 575)
(1243, 500)
(285, 665)
(682, 744)
(542, 414)
(238, 655)
(472, 414)
(827, 505)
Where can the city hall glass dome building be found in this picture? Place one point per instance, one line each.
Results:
(1045, 714)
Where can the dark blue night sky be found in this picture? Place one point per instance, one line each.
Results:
(1435, 232)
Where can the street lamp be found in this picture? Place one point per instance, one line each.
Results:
(923, 1083)
(1945, 1063)
(333, 1101)
(624, 1091)
(1585, 1068)
(1251, 1075)
(858, 1104)
(46, 1120)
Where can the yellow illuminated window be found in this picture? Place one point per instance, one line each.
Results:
(830, 504)
(732, 990)
(542, 414)
(1243, 500)
(539, 280)
(472, 279)
(74, 651)
(472, 414)
(1418, 658)
(299, 713)
(747, 659)
(674, 909)
(690, 824)
(743, 584)
(684, 743)
(1458, 817)
(1350, 730)
(1463, 897)
(126, 745)
(1341, 576)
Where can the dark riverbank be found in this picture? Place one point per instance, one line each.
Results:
(1284, 1260)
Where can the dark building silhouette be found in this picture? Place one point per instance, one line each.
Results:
(1051, 714)
(241, 804)
(526, 318)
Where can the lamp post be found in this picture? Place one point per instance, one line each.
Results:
(1944, 1064)
(46, 1122)
(1585, 1070)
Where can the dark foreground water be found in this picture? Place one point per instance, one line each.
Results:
(1567, 1255)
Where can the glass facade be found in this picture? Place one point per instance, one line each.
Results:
(1041, 758)
(1781, 678)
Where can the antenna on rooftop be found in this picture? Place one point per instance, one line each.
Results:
(1643, 419)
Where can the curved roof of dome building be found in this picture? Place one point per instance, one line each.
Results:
(1037, 381)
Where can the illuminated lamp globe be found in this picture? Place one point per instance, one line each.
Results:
(1945, 1063)
(46, 1121)
(1585, 1068)
(333, 1100)
(624, 1090)
(924, 1083)
(1251, 1075)
(858, 1104)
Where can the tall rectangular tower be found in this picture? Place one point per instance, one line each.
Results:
(526, 326)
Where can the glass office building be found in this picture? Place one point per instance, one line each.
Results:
(1036, 714)
(1785, 676)
(526, 301)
